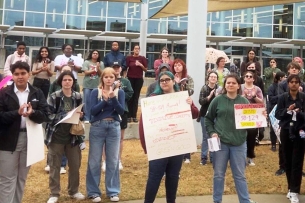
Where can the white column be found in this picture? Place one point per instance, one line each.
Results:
(196, 44)
(261, 58)
(143, 29)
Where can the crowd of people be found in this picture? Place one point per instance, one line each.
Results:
(110, 93)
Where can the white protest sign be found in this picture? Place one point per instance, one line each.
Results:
(249, 116)
(35, 143)
(72, 116)
(275, 123)
(168, 125)
(214, 144)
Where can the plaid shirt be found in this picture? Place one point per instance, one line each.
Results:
(60, 113)
(189, 85)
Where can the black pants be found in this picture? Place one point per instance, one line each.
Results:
(273, 137)
(251, 136)
(294, 156)
(261, 134)
(136, 84)
(273, 142)
(43, 84)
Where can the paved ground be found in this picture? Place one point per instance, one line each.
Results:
(259, 198)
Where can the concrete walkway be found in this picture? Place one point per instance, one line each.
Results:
(259, 198)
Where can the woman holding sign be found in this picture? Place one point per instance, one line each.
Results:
(254, 95)
(169, 165)
(232, 140)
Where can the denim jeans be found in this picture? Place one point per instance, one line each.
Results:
(204, 145)
(237, 157)
(104, 133)
(171, 166)
(87, 109)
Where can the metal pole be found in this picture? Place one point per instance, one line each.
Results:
(261, 58)
(172, 51)
(129, 51)
(46, 41)
(301, 51)
(88, 45)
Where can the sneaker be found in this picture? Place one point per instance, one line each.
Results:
(288, 195)
(187, 161)
(63, 170)
(256, 141)
(86, 122)
(82, 146)
(78, 196)
(120, 165)
(273, 148)
(135, 120)
(104, 166)
(303, 173)
(52, 200)
(203, 162)
(251, 162)
(129, 120)
(252, 201)
(47, 168)
(114, 198)
(95, 199)
(279, 172)
(294, 197)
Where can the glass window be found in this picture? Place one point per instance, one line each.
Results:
(109, 44)
(116, 25)
(56, 42)
(12, 40)
(221, 29)
(151, 59)
(133, 25)
(55, 6)
(177, 27)
(117, 9)
(242, 30)
(154, 47)
(283, 14)
(35, 5)
(14, 4)
(282, 31)
(221, 16)
(263, 15)
(157, 26)
(1, 16)
(55, 21)
(1, 3)
(95, 23)
(184, 18)
(75, 22)
(13, 18)
(33, 41)
(262, 30)
(97, 8)
(34, 19)
(77, 7)
(243, 16)
(97, 44)
(180, 48)
(134, 10)
(77, 43)
(155, 6)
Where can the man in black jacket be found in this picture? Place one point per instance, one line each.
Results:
(17, 101)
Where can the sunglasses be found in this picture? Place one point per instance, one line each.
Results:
(248, 76)
(166, 80)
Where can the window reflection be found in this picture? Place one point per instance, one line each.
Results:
(75, 22)
(133, 25)
(77, 7)
(116, 25)
(221, 29)
(55, 21)
(33, 41)
(56, 42)
(55, 6)
(177, 27)
(14, 4)
(242, 30)
(94, 23)
(116, 9)
(13, 18)
(12, 40)
(97, 44)
(133, 10)
(157, 26)
(35, 5)
(97, 8)
(34, 19)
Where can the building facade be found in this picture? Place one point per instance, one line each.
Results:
(237, 27)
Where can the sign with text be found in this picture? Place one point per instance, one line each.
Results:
(249, 116)
(168, 125)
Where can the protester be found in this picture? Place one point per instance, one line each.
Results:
(164, 58)
(290, 113)
(151, 88)
(220, 124)
(18, 55)
(18, 102)
(207, 94)
(272, 98)
(136, 65)
(269, 73)
(251, 57)
(170, 165)
(60, 141)
(254, 95)
(221, 70)
(67, 59)
(115, 55)
(92, 68)
(43, 69)
(107, 104)
(299, 60)
(293, 68)
(124, 84)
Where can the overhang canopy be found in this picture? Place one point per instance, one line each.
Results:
(4, 28)
(31, 29)
(127, 1)
(169, 37)
(128, 35)
(87, 33)
(180, 7)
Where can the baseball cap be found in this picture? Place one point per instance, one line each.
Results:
(164, 65)
(116, 63)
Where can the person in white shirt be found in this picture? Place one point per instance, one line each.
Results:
(67, 59)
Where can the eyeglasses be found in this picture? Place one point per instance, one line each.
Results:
(248, 76)
(293, 81)
(67, 80)
(212, 76)
(166, 80)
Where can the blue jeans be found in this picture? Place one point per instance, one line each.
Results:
(87, 107)
(104, 133)
(204, 145)
(171, 166)
(237, 157)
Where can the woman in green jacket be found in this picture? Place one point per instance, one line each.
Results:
(269, 73)
(232, 140)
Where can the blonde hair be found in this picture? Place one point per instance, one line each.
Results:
(106, 71)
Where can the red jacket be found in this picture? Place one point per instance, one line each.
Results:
(195, 114)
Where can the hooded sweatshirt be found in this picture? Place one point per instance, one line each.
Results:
(13, 58)
(220, 119)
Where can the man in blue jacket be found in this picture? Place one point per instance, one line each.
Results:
(115, 56)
